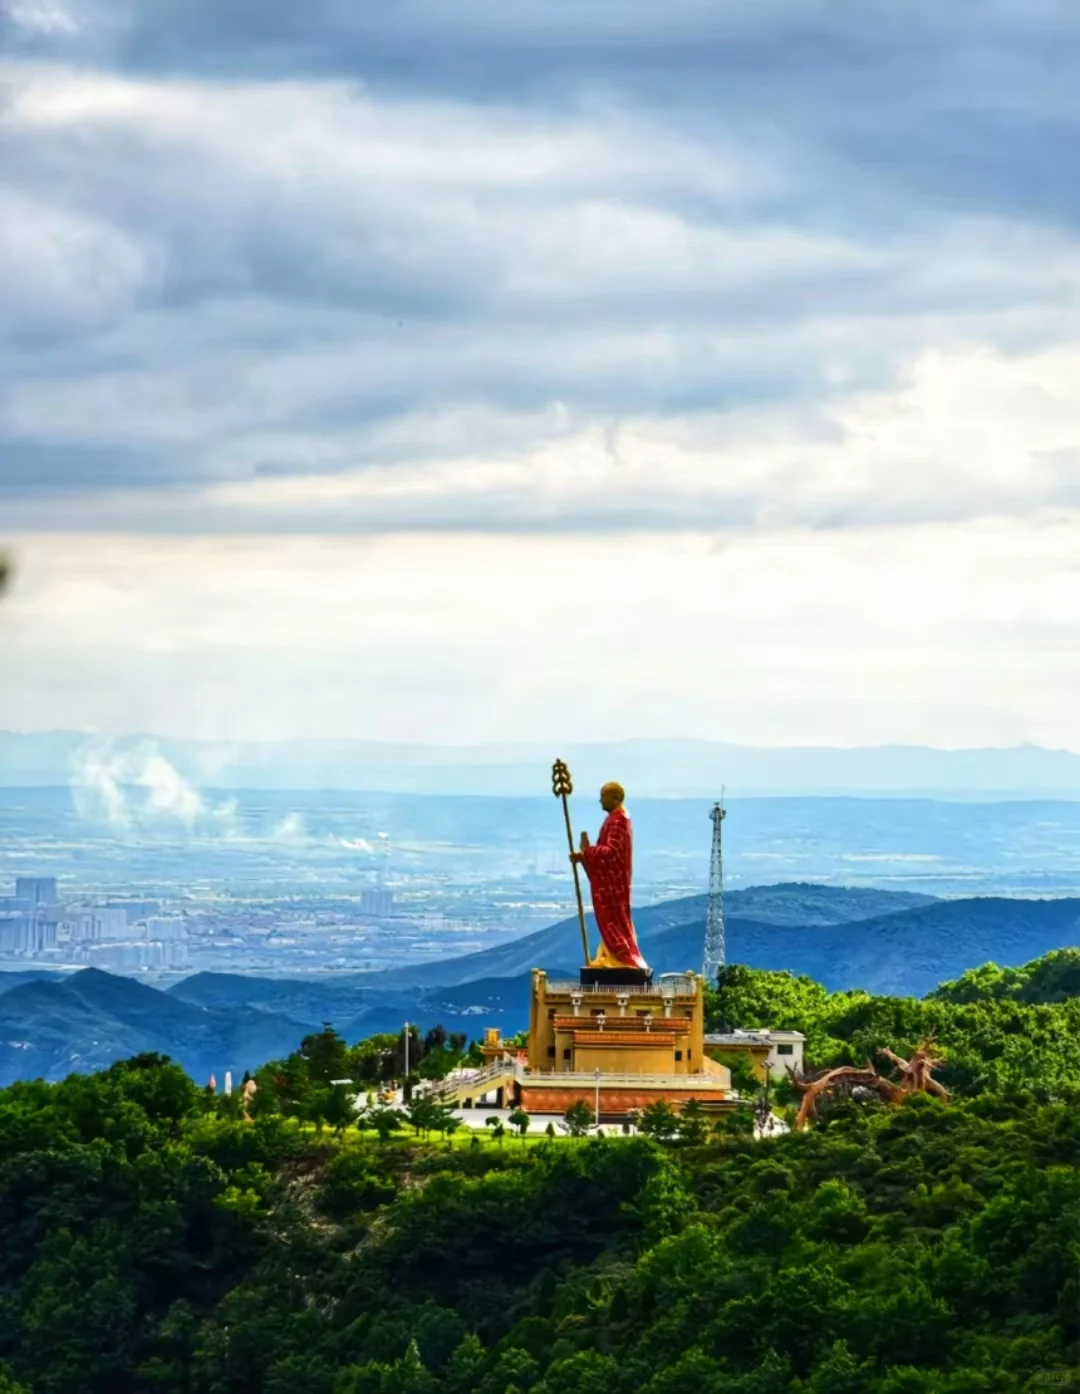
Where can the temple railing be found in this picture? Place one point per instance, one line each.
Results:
(666, 987)
(498, 1069)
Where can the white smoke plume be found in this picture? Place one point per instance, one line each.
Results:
(290, 829)
(105, 777)
(354, 844)
(133, 786)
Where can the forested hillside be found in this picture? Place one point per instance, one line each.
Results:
(153, 1240)
(998, 1029)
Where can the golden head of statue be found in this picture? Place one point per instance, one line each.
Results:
(612, 796)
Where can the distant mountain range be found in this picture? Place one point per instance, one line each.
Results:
(659, 768)
(672, 933)
(883, 941)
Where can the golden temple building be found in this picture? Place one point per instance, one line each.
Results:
(620, 1045)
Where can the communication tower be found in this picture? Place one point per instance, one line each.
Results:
(714, 917)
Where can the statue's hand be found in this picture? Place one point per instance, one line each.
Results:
(585, 842)
(576, 857)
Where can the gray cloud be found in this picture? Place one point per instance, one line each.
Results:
(247, 242)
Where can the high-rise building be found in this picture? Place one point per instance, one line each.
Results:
(166, 927)
(43, 934)
(82, 927)
(37, 890)
(16, 934)
(176, 953)
(377, 901)
(27, 933)
(112, 923)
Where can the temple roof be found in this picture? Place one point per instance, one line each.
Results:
(737, 1038)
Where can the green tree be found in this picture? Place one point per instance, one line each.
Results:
(578, 1118)
(519, 1119)
(325, 1055)
(462, 1375)
(693, 1123)
(331, 1106)
(353, 1184)
(444, 1120)
(743, 1078)
(734, 1122)
(424, 1116)
(161, 1089)
(384, 1120)
(340, 1109)
(587, 1372)
(659, 1121)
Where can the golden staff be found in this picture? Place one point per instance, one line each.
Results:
(561, 787)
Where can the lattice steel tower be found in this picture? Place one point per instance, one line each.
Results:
(714, 918)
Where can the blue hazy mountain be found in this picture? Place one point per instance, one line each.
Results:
(664, 768)
(675, 927)
(30, 975)
(880, 941)
(89, 1019)
(846, 940)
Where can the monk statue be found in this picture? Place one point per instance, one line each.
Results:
(608, 865)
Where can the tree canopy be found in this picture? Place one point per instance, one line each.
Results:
(151, 1241)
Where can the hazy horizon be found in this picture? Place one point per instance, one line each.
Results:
(174, 769)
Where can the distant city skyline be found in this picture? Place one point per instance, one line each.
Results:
(469, 374)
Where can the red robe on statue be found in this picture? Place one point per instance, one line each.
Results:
(608, 865)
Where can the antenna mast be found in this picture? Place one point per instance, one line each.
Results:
(715, 949)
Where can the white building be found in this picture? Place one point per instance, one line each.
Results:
(785, 1048)
(27, 934)
(90, 924)
(16, 935)
(112, 923)
(787, 1051)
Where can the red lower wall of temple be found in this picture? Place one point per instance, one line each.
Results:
(534, 1100)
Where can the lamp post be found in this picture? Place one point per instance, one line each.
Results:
(598, 1098)
(405, 1081)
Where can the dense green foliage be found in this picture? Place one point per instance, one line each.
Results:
(307, 1084)
(152, 1241)
(998, 1028)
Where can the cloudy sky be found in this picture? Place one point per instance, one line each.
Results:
(564, 369)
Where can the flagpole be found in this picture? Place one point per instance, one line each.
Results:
(562, 787)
